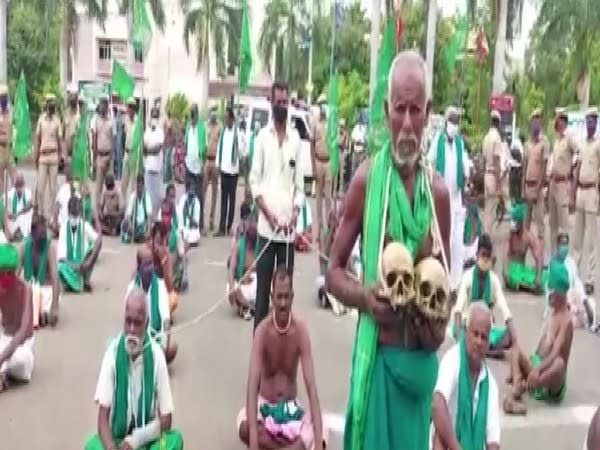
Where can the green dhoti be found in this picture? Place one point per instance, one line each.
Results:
(497, 332)
(170, 440)
(519, 274)
(71, 279)
(543, 393)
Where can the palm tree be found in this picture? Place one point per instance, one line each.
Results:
(210, 22)
(285, 24)
(157, 11)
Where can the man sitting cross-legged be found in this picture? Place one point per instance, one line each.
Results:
(16, 324)
(38, 261)
(159, 322)
(517, 275)
(480, 283)
(111, 208)
(138, 218)
(135, 406)
(465, 409)
(167, 215)
(188, 215)
(78, 249)
(544, 374)
(20, 209)
(242, 273)
(163, 265)
(272, 418)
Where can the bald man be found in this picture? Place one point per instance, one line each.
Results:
(395, 363)
(461, 364)
(131, 360)
(20, 210)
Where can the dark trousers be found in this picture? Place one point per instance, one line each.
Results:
(196, 182)
(228, 188)
(265, 267)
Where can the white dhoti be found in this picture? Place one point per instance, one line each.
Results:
(21, 223)
(41, 297)
(249, 290)
(20, 365)
(457, 228)
(191, 236)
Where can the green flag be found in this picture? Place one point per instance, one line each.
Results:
(457, 42)
(80, 160)
(332, 126)
(245, 50)
(378, 132)
(141, 30)
(136, 162)
(21, 122)
(122, 83)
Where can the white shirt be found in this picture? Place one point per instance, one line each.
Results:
(21, 202)
(105, 389)
(273, 178)
(152, 140)
(224, 161)
(140, 219)
(450, 164)
(88, 238)
(163, 308)
(180, 207)
(62, 199)
(447, 386)
(192, 159)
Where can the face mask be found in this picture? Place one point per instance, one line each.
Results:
(74, 221)
(280, 114)
(133, 344)
(3, 102)
(7, 279)
(451, 130)
(484, 264)
(562, 251)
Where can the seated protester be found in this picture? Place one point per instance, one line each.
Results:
(247, 219)
(78, 249)
(466, 416)
(157, 296)
(137, 223)
(242, 274)
(16, 332)
(188, 216)
(38, 261)
(111, 208)
(130, 416)
(272, 417)
(163, 265)
(61, 208)
(303, 239)
(517, 275)
(20, 210)
(168, 216)
(480, 283)
(544, 373)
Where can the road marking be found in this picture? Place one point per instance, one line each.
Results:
(111, 251)
(547, 416)
(215, 263)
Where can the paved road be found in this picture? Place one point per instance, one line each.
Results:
(56, 411)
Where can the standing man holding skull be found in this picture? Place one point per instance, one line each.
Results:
(395, 197)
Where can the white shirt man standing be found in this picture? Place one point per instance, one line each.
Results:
(277, 183)
(154, 139)
(195, 141)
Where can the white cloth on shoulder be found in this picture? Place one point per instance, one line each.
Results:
(23, 221)
(20, 365)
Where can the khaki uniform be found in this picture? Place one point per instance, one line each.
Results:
(536, 155)
(492, 150)
(50, 132)
(125, 176)
(558, 192)
(586, 206)
(7, 163)
(104, 151)
(211, 172)
(321, 175)
(70, 121)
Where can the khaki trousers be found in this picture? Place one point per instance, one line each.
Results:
(46, 179)
(103, 167)
(323, 192)
(535, 209)
(491, 202)
(211, 178)
(584, 234)
(7, 165)
(558, 205)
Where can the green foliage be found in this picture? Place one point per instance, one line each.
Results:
(353, 93)
(177, 107)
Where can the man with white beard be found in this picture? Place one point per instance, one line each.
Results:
(449, 158)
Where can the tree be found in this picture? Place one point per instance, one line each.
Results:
(157, 10)
(210, 22)
(353, 93)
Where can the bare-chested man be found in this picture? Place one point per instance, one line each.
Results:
(272, 418)
(395, 363)
(544, 374)
(16, 321)
(516, 273)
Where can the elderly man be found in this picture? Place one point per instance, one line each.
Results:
(154, 138)
(138, 217)
(587, 177)
(47, 152)
(492, 148)
(537, 151)
(135, 406)
(102, 146)
(78, 249)
(20, 210)
(450, 159)
(320, 167)
(157, 297)
(467, 416)
(128, 122)
(38, 260)
(70, 120)
(395, 364)
(16, 332)
(7, 164)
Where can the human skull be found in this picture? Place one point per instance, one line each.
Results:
(397, 274)
(433, 288)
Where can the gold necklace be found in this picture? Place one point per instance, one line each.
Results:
(286, 328)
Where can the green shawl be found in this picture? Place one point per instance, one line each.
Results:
(405, 225)
(472, 215)
(241, 257)
(200, 137)
(40, 277)
(251, 147)
(440, 158)
(476, 290)
(155, 319)
(86, 208)
(120, 420)
(470, 431)
(172, 238)
(75, 255)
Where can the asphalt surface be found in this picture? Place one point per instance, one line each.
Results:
(208, 378)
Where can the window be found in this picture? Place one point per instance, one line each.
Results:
(138, 56)
(261, 116)
(300, 126)
(104, 50)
